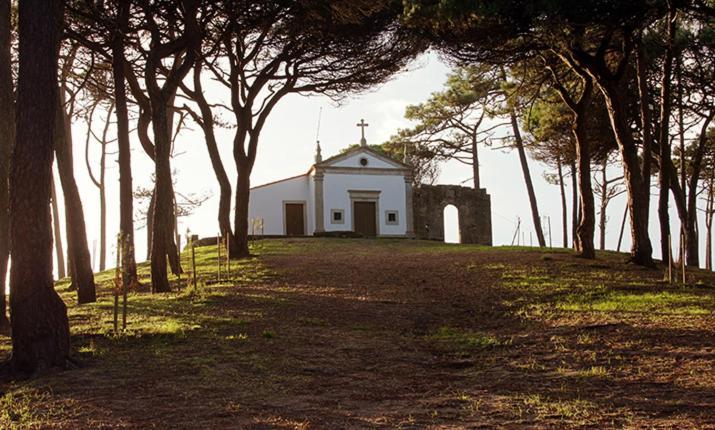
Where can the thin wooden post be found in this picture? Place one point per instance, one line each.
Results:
(178, 248)
(124, 287)
(193, 260)
(228, 258)
(682, 254)
(218, 246)
(117, 283)
(551, 244)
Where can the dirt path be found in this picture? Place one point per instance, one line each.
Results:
(365, 335)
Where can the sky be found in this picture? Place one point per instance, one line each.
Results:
(287, 148)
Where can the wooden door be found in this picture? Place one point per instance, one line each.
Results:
(295, 221)
(365, 218)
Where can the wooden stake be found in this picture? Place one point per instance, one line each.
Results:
(178, 247)
(228, 259)
(193, 261)
(124, 290)
(117, 283)
(682, 254)
(218, 246)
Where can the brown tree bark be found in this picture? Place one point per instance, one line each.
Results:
(604, 205)
(709, 226)
(574, 203)
(583, 239)
(243, 191)
(7, 141)
(519, 143)
(126, 196)
(475, 160)
(587, 216)
(641, 248)
(161, 87)
(81, 263)
(57, 229)
(613, 87)
(39, 317)
(564, 209)
(664, 141)
(206, 122)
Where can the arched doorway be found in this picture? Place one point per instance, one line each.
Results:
(451, 224)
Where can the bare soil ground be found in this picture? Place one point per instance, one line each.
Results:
(328, 334)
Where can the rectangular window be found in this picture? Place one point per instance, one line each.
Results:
(337, 216)
(391, 218)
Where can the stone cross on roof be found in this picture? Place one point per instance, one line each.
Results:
(362, 124)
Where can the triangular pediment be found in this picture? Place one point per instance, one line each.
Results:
(362, 157)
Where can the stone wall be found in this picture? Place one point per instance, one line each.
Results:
(475, 213)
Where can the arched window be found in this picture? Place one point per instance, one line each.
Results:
(451, 224)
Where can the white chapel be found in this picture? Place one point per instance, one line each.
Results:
(359, 191)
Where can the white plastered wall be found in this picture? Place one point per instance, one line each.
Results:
(337, 188)
(267, 201)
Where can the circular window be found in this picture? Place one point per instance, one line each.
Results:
(363, 161)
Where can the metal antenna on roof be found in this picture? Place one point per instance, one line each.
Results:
(318, 155)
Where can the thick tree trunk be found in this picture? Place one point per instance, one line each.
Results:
(81, 263)
(163, 214)
(7, 141)
(243, 190)
(564, 209)
(126, 196)
(641, 249)
(39, 317)
(587, 216)
(519, 142)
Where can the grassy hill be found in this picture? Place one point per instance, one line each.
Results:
(332, 333)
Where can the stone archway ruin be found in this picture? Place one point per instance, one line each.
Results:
(474, 206)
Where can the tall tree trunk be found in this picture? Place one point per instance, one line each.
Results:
(574, 203)
(39, 317)
(519, 142)
(243, 190)
(604, 204)
(7, 141)
(709, 227)
(641, 248)
(564, 209)
(103, 193)
(57, 226)
(81, 270)
(163, 216)
(126, 196)
(587, 216)
(206, 121)
(475, 161)
(646, 122)
(579, 108)
(664, 141)
(150, 224)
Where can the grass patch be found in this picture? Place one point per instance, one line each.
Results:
(573, 410)
(465, 340)
(666, 302)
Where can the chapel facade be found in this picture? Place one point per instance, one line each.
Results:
(365, 193)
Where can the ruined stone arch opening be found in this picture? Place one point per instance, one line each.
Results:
(450, 215)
